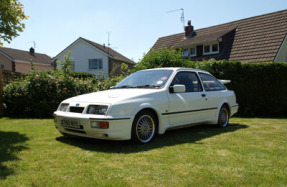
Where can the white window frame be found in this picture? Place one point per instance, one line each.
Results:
(98, 61)
(192, 55)
(210, 49)
(183, 54)
(187, 52)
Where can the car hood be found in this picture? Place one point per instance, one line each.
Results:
(111, 96)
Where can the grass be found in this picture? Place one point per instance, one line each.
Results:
(249, 152)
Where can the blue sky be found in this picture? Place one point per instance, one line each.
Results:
(134, 25)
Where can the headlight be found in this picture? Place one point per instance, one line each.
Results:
(64, 107)
(97, 109)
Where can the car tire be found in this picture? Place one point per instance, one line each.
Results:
(144, 127)
(223, 117)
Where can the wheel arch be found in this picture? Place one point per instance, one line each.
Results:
(155, 113)
(228, 108)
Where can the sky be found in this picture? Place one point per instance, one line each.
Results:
(133, 26)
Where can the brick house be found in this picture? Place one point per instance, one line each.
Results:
(256, 39)
(92, 57)
(15, 60)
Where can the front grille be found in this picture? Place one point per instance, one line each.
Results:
(76, 131)
(76, 109)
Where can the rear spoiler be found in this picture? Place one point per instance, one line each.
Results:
(225, 81)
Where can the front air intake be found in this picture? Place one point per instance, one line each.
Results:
(76, 109)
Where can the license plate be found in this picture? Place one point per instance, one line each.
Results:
(71, 123)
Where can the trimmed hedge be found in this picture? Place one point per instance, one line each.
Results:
(38, 94)
(261, 88)
(82, 75)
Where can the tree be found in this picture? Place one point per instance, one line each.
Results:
(11, 17)
(163, 57)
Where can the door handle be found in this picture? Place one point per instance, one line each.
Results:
(203, 95)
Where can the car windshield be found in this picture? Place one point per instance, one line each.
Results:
(145, 79)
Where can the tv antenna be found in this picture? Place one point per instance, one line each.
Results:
(181, 17)
(109, 39)
(109, 42)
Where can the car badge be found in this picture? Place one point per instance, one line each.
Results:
(77, 104)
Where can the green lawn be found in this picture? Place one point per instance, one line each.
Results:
(249, 152)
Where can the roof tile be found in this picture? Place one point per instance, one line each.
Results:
(254, 37)
(21, 55)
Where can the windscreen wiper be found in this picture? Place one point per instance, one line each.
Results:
(148, 86)
(124, 86)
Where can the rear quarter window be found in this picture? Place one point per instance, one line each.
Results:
(210, 83)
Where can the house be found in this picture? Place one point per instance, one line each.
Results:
(256, 39)
(91, 57)
(15, 60)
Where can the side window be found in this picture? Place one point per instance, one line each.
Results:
(189, 79)
(210, 83)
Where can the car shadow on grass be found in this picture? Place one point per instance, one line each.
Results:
(170, 138)
(11, 143)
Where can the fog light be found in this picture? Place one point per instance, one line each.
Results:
(100, 124)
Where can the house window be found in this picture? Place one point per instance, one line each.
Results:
(192, 51)
(210, 49)
(2, 66)
(185, 52)
(189, 52)
(101, 64)
(96, 63)
(206, 49)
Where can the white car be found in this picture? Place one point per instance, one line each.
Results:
(147, 103)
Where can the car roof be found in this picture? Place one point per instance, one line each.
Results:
(178, 69)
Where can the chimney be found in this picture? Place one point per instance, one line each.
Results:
(188, 29)
(32, 51)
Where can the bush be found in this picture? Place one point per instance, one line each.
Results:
(82, 75)
(162, 58)
(39, 94)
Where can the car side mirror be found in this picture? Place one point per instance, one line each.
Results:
(178, 88)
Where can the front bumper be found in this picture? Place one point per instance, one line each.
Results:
(119, 128)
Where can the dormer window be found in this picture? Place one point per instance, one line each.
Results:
(185, 52)
(210, 49)
(191, 52)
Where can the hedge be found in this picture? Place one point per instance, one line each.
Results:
(261, 88)
(38, 94)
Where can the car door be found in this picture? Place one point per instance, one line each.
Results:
(186, 107)
(214, 91)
